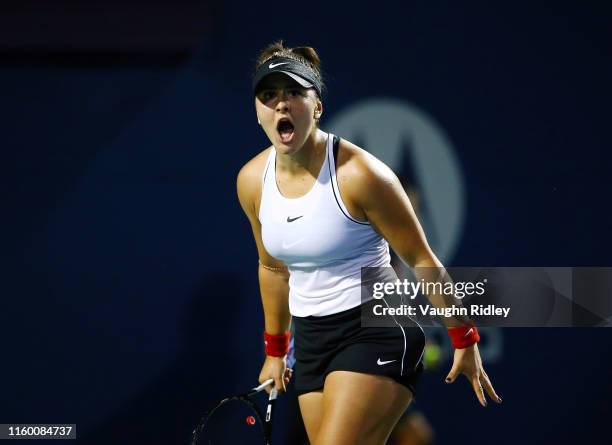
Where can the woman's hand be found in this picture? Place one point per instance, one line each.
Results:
(276, 368)
(467, 362)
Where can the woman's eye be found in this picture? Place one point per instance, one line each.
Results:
(267, 95)
(295, 93)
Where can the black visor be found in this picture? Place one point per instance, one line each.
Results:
(299, 72)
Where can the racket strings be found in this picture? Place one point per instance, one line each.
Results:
(236, 420)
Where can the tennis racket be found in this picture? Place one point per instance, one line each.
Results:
(237, 420)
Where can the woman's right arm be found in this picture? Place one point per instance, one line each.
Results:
(273, 275)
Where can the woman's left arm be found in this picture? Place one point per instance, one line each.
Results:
(377, 191)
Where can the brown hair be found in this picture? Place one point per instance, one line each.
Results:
(304, 54)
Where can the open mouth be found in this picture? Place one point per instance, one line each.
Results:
(285, 130)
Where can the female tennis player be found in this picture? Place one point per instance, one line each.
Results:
(322, 208)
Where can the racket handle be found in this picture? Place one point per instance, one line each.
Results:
(263, 386)
(268, 422)
(273, 394)
(271, 400)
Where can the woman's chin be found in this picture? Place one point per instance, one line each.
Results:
(286, 149)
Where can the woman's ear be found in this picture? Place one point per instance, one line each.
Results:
(318, 109)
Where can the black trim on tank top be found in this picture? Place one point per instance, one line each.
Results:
(336, 142)
(336, 146)
(266, 171)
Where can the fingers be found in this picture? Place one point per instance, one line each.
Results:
(286, 378)
(279, 384)
(266, 377)
(288, 375)
(474, 380)
(262, 379)
(478, 390)
(476, 386)
(275, 368)
(279, 379)
(486, 383)
(452, 375)
(467, 361)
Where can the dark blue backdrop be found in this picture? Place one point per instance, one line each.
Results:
(128, 258)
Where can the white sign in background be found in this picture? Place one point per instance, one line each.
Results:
(388, 128)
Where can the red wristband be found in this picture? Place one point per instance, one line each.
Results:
(463, 336)
(277, 345)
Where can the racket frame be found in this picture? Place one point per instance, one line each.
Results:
(265, 422)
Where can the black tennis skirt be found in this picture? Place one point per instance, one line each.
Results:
(338, 342)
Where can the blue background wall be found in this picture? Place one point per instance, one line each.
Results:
(127, 253)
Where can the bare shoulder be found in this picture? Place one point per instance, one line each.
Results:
(364, 180)
(358, 170)
(248, 182)
(253, 169)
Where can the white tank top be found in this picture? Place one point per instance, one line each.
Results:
(321, 244)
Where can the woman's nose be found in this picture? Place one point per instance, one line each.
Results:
(283, 102)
